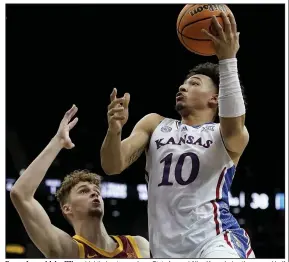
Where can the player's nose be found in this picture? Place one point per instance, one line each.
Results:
(183, 88)
(93, 194)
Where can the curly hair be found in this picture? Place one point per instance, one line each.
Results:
(212, 71)
(73, 179)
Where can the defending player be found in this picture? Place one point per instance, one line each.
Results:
(190, 163)
(81, 204)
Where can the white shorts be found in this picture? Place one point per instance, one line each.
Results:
(227, 245)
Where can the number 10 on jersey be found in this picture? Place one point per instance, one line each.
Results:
(195, 165)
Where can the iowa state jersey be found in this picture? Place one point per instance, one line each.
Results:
(127, 248)
(189, 178)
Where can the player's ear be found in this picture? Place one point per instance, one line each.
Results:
(66, 209)
(213, 102)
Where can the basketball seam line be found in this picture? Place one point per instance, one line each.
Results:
(184, 15)
(196, 39)
(196, 22)
(179, 25)
(190, 37)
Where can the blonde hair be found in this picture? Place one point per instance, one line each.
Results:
(73, 179)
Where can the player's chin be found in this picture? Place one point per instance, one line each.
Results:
(96, 211)
(180, 106)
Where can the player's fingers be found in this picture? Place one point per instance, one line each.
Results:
(218, 28)
(112, 111)
(232, 22)
(238, 36)
(113, 94)
(116, 117)
(115, 102)
(73, 123)
(213, 38)
(70, 113)
(126, 100)
(227, 24)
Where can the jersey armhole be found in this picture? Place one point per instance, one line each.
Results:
(81, 252)
(134, 246)
(161, 122)
(148, 145)
(224, 146)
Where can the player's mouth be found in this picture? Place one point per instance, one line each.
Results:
(179, 96)
(96, 201)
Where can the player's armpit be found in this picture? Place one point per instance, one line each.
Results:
(133, 146)
(234, 133)
(143, 246)
(50, 240)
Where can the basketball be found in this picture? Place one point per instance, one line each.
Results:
(192, 19)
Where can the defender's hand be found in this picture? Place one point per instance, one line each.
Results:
(226, 40)
(65, 126)
(117, 114)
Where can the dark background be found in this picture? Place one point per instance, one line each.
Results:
(57, 55)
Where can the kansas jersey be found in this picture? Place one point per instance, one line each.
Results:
(189, 178)
(127, 248)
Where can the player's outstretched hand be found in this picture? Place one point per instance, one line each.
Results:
(117, 112)
(65, 126)
(225, 40)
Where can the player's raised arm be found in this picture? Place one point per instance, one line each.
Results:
(231, 102)
(117, 155)
(51, 241)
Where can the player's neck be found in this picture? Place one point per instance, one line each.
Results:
(95, 232)
(197, 118)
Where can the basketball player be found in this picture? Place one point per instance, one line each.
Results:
(81, 205)
(190, 163)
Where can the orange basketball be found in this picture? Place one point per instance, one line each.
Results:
(192, 19)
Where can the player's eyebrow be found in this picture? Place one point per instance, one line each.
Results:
(81, 186)
(196, 78)
(192, 77)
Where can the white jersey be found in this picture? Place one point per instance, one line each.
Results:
(189, 178)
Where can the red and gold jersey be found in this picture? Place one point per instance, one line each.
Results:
(127, 248)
